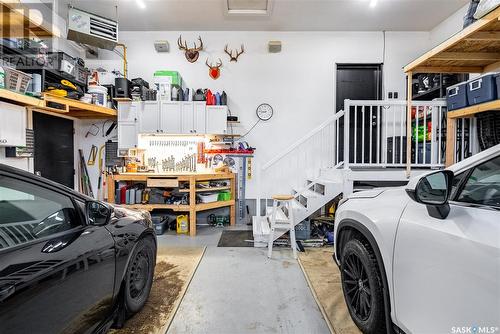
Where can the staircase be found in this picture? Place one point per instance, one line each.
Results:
(326, 162)
(311, 198)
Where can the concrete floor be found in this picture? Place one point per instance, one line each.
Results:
(238, 290)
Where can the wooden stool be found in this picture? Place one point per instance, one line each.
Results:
(282, 201)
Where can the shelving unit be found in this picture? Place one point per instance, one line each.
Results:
(192, 179)
(475, 49)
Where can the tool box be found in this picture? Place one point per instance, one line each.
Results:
(456, 96)
(482, 89)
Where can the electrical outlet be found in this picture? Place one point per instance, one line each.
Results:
(395, 95)
(390, 95)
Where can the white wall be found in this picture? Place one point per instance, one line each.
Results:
(448, 27)
(298, 82)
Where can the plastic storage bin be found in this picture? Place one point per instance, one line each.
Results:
(482, 89)
(456, 96)
(208, 197)
(160, 223)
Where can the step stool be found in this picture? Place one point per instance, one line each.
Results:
(282, 201)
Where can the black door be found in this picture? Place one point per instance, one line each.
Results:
(56, 272)
(54, 151)
(359, 82)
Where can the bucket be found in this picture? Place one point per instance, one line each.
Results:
(100, 95)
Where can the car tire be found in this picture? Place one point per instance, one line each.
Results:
(362, 286)
(139, 276)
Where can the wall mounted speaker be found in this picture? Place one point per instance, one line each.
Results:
(274, 46)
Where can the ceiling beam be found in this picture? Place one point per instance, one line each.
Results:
(495, 56)
(484, 36)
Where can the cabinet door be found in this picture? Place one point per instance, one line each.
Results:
(127, 134)
(128, 111)
(187, 117)
(149, 117)
(12, 125)
(216, 119)
(200, 119)
(170, 117)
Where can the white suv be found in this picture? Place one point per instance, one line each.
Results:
(425, 258)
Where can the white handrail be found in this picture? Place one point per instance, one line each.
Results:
(320, 127)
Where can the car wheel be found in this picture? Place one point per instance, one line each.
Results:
(139, 276)
(362, 287)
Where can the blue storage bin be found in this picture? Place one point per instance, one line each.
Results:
(456, 96)
(303, 230)
(482, 89)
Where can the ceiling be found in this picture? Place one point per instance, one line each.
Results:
(281, 15)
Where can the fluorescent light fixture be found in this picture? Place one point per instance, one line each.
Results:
(141, 4)
(373, 3)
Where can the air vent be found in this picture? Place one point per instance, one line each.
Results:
(248, 7)
(104, 28)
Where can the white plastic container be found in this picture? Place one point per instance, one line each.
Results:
(208, 197)
(100, 95)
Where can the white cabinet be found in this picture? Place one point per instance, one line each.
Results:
(187, 117)
(127, 135)
(200, 117)
(128, 112)
(149, 117)
(170, 117)
(216, 119)
(13, 120)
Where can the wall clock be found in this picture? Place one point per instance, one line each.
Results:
(264, 112)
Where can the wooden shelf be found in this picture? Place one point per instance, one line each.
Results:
(475, 49)
(15, 21)
(469, 111)
(213, 205)
(70, 107)
(80, 109)
(122, 99)
(192, 179)
(151, 207)
(198, 190)
(20, 99)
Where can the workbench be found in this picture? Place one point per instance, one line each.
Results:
(170, 180)
(475, 49)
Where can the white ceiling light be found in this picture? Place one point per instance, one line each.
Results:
(373, 3)
(141, 4)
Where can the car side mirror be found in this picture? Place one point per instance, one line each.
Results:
(434, 191)
(97, 213)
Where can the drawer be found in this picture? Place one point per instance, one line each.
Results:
(162, 183)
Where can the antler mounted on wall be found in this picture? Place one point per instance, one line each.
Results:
(214, 71)
(238, 53)
(193, 53)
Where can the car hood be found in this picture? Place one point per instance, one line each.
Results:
(120, 212)
(372, 193)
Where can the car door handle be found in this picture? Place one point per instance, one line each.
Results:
(6, 291)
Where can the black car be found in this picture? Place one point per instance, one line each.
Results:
(68, 263)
